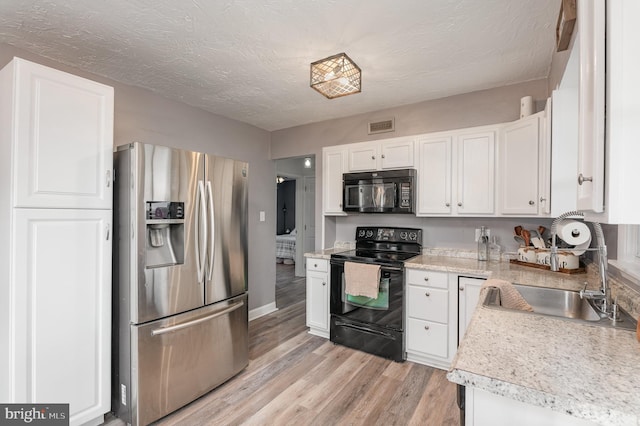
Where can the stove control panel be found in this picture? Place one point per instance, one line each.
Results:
(411, 235)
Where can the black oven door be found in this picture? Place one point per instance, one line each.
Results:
(385, 311)
(375, 326)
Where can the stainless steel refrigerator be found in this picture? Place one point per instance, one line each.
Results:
(180, 278)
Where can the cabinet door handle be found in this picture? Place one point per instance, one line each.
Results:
(461, 288)
(542, 199)
(324, 283)
(108, 178)
(582, 179)
(426, 327)
(383, 156)
(531, 202)
(108, 232)
(315, 265)
(373, 157)
(427, 294)
(459, 204)
(447, 204)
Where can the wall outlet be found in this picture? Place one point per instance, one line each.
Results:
(478, 233)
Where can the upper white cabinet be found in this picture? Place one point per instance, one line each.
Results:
(591, 98)
(389, 154)
(519, 166)
(334, 162)
(434, 174)
(608, 111)
(456, 173)
(61, 132)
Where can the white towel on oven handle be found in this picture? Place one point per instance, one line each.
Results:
(361, 279)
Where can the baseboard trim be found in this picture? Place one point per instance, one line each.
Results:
(262, 311)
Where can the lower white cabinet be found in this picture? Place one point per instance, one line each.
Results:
(55, 312)
(431, 317)
(483, 408)
(318, 291)
(468, 297)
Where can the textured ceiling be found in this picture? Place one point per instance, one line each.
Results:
(249, 59)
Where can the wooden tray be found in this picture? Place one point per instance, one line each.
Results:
(580, 270)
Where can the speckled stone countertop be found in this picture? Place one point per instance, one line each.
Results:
(586, 371)
(325, 253)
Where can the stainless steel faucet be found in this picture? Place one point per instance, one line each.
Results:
(602, 296)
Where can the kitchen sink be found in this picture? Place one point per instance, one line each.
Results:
(564, 304)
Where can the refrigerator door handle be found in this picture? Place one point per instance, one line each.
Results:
(212, 219)
(201, 247)
(165, 330)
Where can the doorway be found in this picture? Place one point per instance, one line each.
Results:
(295, 211)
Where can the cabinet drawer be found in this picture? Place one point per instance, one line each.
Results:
(427, 278)
(429, 304)
(428, 338)
(319, 265)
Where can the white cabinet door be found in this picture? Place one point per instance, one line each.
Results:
(363, 157)
(62, 140)
(318, 296)
(333, 166)
(434, 175)
(469, 294)
(544, 154)
(475, 173)
(396, 154)
(61, 310)
(591, 114)
(518, 149)
(380, 155)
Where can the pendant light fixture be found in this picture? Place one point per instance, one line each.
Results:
(336, 76)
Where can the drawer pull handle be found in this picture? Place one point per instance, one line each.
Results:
(426, 327)
(427, 294)
(323, 283)
(426, 278)
(315, 265)
(531, 202)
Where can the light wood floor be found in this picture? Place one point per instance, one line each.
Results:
(294, 378)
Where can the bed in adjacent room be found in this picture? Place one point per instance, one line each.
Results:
(286, 248)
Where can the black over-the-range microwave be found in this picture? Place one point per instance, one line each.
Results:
(388, 191)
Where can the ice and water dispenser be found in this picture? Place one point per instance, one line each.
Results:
(165, 233)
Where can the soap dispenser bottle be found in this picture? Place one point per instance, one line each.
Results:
(483, 244)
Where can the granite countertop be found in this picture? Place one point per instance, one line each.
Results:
(325, 253)
(586, 371)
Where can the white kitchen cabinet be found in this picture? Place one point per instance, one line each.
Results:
(55, 255)
(434, 174)
(334, 162)
(468, 297)
(475, 173)
(456, 173)
(544, 156)
(591, 112)
(60, 349)
(519, 166)
(62, 131)
(394, 153)
(431, 317)
(318, 296)
(612, 164)
(483, 408)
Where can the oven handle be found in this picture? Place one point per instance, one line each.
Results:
(382, 268)
(365, 330)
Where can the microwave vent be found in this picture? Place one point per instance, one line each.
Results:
(382, 126)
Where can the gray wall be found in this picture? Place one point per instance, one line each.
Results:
(143, 116)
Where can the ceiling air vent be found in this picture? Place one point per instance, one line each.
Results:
(382, 126)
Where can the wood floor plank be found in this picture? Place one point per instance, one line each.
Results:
(438, 404)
